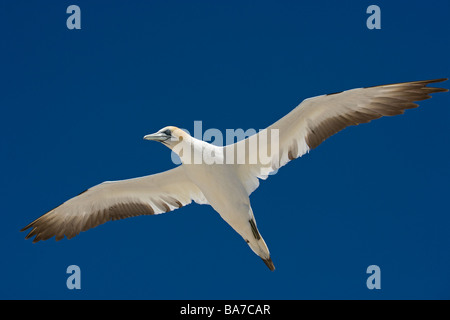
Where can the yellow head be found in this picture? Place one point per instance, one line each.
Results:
(169, 136)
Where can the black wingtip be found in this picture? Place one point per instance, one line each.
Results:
(423, 82)
(26, 227)
(439, 80)
(434, 80)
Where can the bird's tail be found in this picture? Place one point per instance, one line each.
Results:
(269, 263)
(260, 248)
(258, 245)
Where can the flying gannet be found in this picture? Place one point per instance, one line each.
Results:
(227, 183)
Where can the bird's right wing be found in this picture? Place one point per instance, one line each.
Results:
(113, 200)
(316, 119)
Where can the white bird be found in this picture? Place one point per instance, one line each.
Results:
(224, 184)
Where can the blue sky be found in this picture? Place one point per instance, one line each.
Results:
(76, 103)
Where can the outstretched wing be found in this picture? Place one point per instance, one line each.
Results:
(115, 200)
(316, 119)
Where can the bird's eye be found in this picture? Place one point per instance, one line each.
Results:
(167, 132)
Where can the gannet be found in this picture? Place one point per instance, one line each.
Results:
(227, 182)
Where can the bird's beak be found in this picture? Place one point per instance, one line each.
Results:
(159, 136)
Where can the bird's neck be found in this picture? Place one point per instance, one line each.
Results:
(194, 151)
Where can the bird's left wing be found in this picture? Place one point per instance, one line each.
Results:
(316, 119)
(113, 200)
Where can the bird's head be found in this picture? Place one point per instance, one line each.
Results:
(169, 136)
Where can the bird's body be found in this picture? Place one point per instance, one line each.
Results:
(225, 177)
(223, 188)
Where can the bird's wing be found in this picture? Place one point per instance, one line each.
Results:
(316, 119)
(115, 200)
